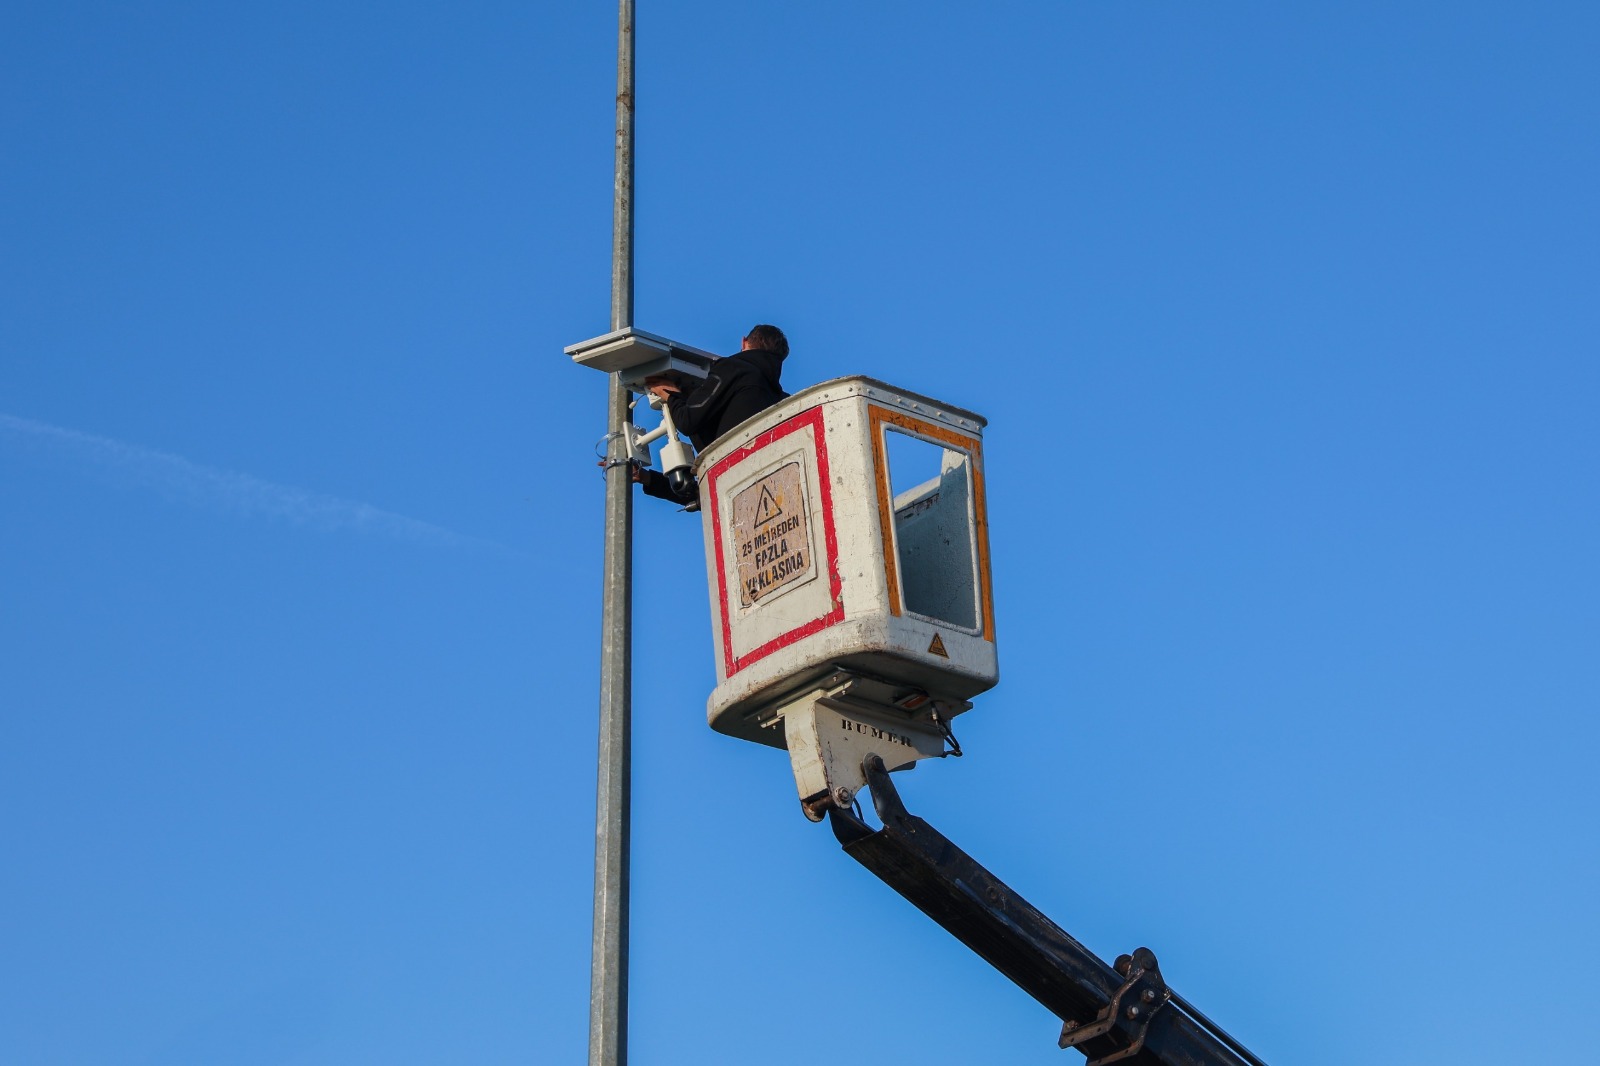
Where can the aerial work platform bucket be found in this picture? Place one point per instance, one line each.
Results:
(848, 561)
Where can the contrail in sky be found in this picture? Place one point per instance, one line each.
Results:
(175, 476)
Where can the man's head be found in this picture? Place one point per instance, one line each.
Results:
(767, 338)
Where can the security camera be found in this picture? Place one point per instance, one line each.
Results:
(677, 458)
(637, 358)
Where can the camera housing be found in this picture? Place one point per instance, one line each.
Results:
(636, 357)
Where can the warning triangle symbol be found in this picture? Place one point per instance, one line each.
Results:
(767, 507)
(937, 647)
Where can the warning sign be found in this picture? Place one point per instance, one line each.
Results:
(767, 507)
(772, 534)
(937, 647)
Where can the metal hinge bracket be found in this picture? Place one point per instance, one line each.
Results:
(1143, 992)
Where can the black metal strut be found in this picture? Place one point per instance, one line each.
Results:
(1122, 1013)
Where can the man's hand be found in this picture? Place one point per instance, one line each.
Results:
(661, 388)
(634, 469)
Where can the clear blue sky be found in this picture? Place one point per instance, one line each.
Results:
(1284, 317)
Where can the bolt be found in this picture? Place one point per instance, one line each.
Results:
(1149, 995)
(842, 796)
(1133, 1012)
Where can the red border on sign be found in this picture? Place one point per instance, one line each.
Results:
(812, 420)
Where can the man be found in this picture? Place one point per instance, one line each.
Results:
(737, 388)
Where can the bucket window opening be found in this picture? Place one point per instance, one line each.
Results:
(930, 488)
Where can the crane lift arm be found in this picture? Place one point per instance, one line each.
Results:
(1122, 1013)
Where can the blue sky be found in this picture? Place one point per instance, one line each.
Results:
(1284, 320)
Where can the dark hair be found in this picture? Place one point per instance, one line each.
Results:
(770, 338)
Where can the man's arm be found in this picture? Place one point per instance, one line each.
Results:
(655, 483)
(695, 413)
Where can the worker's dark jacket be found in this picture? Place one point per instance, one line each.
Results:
(738, 387)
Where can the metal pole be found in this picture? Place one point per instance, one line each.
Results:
(608, 974)
(622, 202)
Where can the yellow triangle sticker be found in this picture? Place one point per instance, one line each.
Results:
(937, 647)
(767, 507)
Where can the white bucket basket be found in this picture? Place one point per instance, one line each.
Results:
(846, 530)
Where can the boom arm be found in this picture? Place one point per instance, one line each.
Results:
(1122, 1013)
